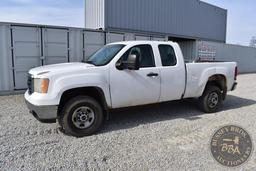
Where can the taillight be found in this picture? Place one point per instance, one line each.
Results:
(236, 73)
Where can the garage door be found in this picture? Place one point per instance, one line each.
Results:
(26, 53)
(92, 42)
(56, 47)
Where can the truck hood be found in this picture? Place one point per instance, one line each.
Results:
(48, 69)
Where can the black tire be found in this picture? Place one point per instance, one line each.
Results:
(73, 125)
(211, 99)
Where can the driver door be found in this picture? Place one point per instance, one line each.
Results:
(136, 87)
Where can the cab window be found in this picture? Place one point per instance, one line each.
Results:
(167, 54)
(145, 54)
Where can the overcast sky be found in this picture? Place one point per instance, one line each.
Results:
(241, 15)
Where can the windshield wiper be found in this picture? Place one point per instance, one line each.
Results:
(90, 62)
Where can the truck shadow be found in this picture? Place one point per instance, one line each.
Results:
(186, 109)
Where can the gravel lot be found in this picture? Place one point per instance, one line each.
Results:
(171, 136)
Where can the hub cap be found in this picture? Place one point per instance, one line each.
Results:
(83, 117)
(213, 100)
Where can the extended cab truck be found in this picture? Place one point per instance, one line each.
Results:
(124, 74)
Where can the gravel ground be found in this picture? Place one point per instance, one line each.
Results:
(171, 136)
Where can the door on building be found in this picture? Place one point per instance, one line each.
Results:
(26, 53)
(34, 46)
(55, 46)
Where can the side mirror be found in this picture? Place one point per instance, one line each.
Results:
(120, 65)
(132, 62)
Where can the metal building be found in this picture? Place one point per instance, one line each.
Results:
(190, 19)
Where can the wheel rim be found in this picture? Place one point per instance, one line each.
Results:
(213, 100)
(83, 117)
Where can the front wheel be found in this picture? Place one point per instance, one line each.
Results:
(211, 99)
(81, 116)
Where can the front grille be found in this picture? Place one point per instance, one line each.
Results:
(30, 84)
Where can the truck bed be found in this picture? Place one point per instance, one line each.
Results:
(197, 72)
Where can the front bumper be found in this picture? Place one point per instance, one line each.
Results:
(45, 114)
(234, 86)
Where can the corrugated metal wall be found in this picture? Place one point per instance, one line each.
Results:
(179, 18)
(25, 46)
(115, 37)
(188, 50)
(244, 56)
(92, 42)
(95, 14)
(76, 49)
(5, 62)
(55, 46)
(26, 52)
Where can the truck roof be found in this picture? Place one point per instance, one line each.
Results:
(136, 42)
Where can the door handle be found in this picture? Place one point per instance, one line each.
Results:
(152, 74)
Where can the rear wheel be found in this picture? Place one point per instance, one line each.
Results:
(82, 116)
(211, 99)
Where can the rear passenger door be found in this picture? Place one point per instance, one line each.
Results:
(172, 74)
(136, 87)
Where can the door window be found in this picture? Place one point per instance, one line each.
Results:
(144, 53)
(167, 54)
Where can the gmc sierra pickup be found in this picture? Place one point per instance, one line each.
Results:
(123, 74)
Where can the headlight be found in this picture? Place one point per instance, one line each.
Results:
(41, 85)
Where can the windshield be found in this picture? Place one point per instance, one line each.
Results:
(105, 55)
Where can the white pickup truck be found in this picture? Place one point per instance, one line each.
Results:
(123, 74)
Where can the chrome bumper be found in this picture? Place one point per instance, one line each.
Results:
(45, 114)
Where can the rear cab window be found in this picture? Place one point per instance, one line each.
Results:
(167, 55)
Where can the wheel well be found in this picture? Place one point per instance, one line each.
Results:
(220, 81)
(93, 92)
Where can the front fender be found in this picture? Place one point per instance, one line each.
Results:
(64, 83)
